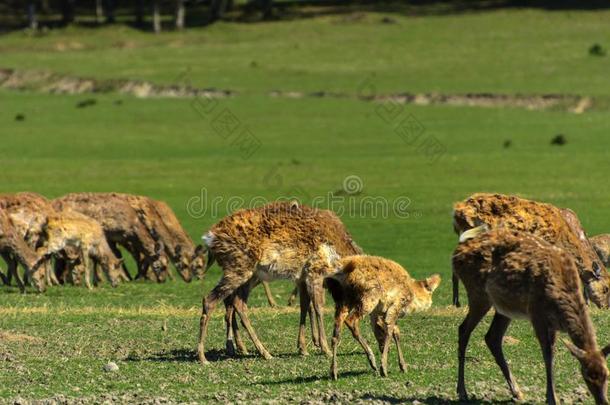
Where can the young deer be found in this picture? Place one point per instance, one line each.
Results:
(382, 289)
(268, 243)
(522, 276)
(79, 238)
(559, 227)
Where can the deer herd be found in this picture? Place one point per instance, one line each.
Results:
(525, 259)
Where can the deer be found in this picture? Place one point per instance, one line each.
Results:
(384, 290)
(80, 240)
(557, 226)
(28, 213)
(189, 258)
(271, 242)
(15, 250)
(521, 275)
(121, 224)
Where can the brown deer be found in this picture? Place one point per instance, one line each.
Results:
(67, 232)
(15, 250)
(28, 213)
(560, 227)
(522, 276)
(268, 243)
(382, 289)
(188, 257)
(121, 224)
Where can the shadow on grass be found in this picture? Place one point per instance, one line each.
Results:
(187, 356)
(432, 400)
(313, 378)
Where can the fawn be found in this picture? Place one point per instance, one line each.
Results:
(382, 289)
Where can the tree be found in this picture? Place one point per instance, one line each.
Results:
(156, 16)
(32, 19)
(67, 11)
(180, 14)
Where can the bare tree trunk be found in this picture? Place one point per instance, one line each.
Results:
(180, 14)
(156, 16)
(32, 20)
(99, 11)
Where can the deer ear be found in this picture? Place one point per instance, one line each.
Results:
(606, 350)
(576, 352)
(432, 282)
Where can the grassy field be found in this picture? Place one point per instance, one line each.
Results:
(56, 344)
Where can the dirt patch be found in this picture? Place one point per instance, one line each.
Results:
(7, 336)
(49, 82)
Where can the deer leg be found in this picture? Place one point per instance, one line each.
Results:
(225, 287)
(241, 307)
(293, 296)
(547, 338)
(305, 307)
(241, 347)
(401, 360)
(318, 306)
(341, 312)
(313, 324)
(353, 323)
(12, 270)
(269, 295)
(493, 338)
(87, 266)
(476, 311)
(455, 281)
(117, 252)
(229, 317)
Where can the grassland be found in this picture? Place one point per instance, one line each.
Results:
(57, 343)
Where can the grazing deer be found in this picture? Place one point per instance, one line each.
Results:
(15, 250)
(189, 259)
(382, 289)
(121, 224)
(28, 213)
(601, 245)
(522, 276)
(560, 227)
(78, 238)
(268, 243)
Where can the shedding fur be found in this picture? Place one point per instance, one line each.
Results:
(381, 289)
(276, 241)
(522, 276)
(559, 227)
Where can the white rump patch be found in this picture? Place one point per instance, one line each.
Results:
(208, 239)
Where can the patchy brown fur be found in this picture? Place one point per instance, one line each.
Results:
(523, 276)
(267, 243)
(559, 227)
(601, 245)
(28, 213)
(68, 232)
(191, 256)
(14, 249)
(121, 224)
(382, 289)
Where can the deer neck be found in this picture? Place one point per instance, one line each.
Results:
(577, 323)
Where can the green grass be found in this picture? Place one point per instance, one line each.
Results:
(57, 343)
(505, 51)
